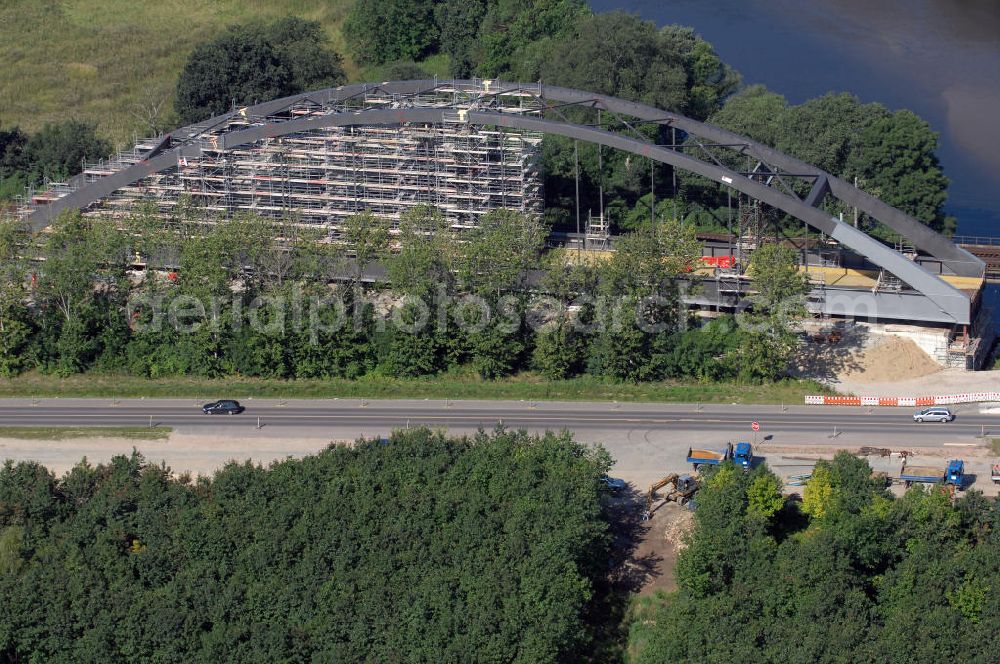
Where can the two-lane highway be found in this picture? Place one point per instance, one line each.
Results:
(372, 417)
(644, 438)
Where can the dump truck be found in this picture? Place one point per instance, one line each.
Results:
(697, 457)
(955, 474)
(920, 474)
(995, 473)
(743, 455)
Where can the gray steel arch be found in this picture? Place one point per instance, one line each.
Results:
(953, 305)
(960, 261)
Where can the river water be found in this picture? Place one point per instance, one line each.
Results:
(940, 58)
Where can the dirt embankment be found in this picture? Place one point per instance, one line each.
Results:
(852, 360)
(199, 454)
(895, 366)
(890, 358)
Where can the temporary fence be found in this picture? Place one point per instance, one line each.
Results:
(936, 400)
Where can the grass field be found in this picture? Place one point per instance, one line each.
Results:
(442, 387)
(67, 433)
(107, 61)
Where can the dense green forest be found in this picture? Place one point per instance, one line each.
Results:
(252, 298)
(502, 547)
(54, 153)
(846, 574)
(414, 548)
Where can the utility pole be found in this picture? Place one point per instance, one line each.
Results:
(600, 167)
(576, 171)
(673, 169)
(652, 193)
(855, 207)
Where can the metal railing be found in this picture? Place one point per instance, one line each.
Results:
(977, 240)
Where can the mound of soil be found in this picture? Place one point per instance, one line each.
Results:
(893, 358)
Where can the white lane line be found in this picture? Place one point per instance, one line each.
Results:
(569, 419)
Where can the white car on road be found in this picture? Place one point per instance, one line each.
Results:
(935, 414)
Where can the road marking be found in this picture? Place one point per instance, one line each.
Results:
(554, 419)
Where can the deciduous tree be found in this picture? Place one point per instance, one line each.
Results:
(381, 31)
(255, 63)
(60, 150)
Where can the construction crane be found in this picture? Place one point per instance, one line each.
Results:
(684, 486)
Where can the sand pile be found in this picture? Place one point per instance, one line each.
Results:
(893, 358)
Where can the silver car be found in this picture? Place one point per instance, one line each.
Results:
(934, 414)
(613, 483)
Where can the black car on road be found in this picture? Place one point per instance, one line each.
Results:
(224, 407)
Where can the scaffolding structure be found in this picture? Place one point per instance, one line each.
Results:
(598, 236)
(322, 176)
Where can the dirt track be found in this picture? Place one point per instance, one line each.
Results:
(200, 454)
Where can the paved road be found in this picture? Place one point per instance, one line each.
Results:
(371, 417)
(645, 439)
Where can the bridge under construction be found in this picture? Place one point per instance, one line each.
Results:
(469, 147)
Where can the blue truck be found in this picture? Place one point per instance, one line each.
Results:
(741, 455)
(953, 475)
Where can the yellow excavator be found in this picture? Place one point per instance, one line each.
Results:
(684, 486)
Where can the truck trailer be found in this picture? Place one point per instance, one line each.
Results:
(700, 457)
(921, 474)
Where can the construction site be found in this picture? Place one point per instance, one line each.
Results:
(323, 176)
(470, 147)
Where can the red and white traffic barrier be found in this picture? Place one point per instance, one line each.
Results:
(937, 400)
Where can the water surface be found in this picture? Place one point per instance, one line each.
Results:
(940, 58)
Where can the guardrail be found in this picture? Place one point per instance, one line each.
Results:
(977, 240)
(936, 400)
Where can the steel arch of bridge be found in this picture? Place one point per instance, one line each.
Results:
(766, 182)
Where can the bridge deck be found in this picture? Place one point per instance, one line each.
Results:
(832, 277)
(989, 255)
(839, 277)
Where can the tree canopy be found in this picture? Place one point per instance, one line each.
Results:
(848, 574)
(619, 54)
(254, 63)
(890, 154)
(415, 548)
(381, 31)
(769, 330)
(56, 152)
(250, 297)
